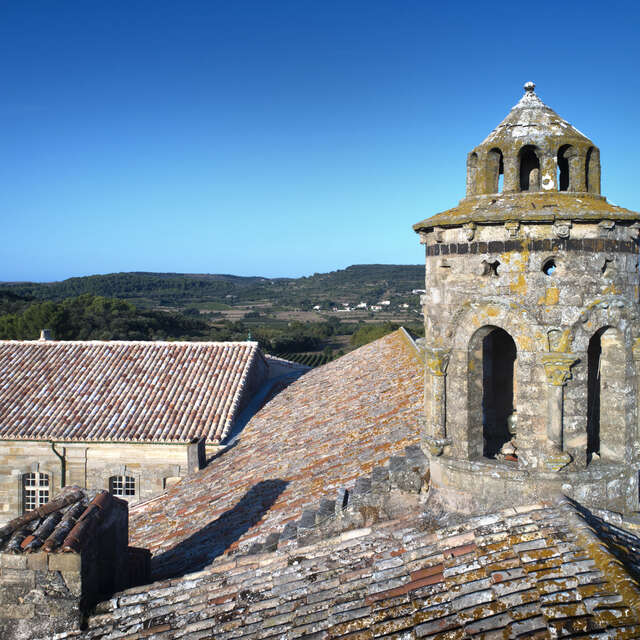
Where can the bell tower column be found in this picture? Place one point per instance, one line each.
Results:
(557, 369)
(437, 360)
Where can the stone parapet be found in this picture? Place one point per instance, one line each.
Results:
(475, 486)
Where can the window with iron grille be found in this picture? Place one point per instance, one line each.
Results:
(122, 485)
(35, 490)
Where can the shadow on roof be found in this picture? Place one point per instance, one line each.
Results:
(205, 545)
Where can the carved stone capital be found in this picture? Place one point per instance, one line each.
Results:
(470, 230)
(512, 227)
(437, 360)
(605, 227)
(557, 367)
(633, 231)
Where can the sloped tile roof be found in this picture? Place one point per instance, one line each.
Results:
(531, 572)
(121, 391)
(64, 524)
(321, 433)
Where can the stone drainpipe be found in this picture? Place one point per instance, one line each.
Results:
(63, 464)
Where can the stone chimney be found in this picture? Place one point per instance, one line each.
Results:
(196, 455)
(45, 334)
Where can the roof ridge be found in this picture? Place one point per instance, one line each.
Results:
(414, 349)
(604, 559)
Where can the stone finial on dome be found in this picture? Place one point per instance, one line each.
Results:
(530, 98)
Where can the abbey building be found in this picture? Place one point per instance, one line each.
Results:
(482, 484)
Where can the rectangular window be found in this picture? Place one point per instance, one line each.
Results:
(122, 485)
(35, 490)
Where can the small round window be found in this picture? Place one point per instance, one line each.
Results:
(549, 267)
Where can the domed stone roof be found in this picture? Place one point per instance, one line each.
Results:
(534, 166)
(532, 120)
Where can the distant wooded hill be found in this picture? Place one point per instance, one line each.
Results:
(357, 283)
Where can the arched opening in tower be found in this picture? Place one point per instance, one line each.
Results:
(564, 173)
(606, 395)
(472, 174)
(498, 390)
(495, 171)
(592, 170)
(529, 169)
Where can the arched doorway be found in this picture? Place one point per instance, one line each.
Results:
(492, 390)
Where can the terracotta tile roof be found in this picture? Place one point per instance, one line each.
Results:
(530, 572)
(65, 524)
(121, 391)
(322, 432)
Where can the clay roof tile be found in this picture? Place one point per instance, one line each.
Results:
(121, 391)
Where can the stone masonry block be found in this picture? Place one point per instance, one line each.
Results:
(11, 561)
(380, 480)
(22, 577)
(362, 486)
(327, 510)
(65, 562)
(271, 543)
(289, 532)
(397, 464)
(307, 520)
(37, 561)
(17, 611)
(416, 459)
(360, 494)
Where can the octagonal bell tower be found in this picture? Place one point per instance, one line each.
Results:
(532, 325)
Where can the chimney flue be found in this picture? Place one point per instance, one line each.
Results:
(45, 334)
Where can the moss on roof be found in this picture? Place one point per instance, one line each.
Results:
(528, 207)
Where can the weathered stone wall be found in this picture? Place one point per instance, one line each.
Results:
(88, 465)
(485, 276)
(43, 594)
(39, 594)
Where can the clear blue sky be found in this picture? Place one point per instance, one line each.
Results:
(279, 138)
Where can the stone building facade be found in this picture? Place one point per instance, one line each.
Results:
(128, 417)
(532, 325)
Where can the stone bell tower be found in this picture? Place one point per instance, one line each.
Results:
(532, 325)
